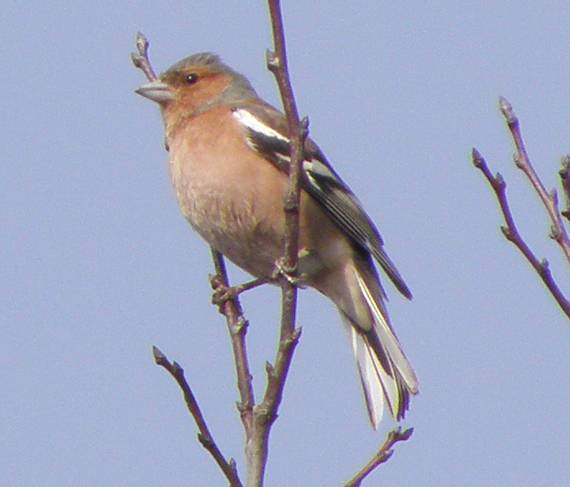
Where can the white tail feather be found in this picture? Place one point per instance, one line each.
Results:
(376, 383)
(387, 338)
(386, 376)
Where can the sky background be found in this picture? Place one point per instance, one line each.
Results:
(97, 264)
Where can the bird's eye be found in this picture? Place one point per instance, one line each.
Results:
(191, 78)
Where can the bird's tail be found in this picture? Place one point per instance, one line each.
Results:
(385, 373)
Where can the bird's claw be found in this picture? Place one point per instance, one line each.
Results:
(283, 271)
(223, 293)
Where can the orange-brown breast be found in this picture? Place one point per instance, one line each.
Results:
(234, 198)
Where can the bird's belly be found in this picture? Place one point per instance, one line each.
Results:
(236, 205)
(234, 225)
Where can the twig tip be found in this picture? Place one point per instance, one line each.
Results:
(500, 181)
(141, 42)
(554, 232)
(296, 334)
(135, 58)
(177, 368)
(158, 356)
(478, 160)
(272, 60)
(506, 109)
(507, 232)
(406, 434)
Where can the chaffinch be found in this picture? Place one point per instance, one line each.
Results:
(229, 161)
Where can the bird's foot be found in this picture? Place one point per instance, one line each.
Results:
(283, 271)
(223, 293)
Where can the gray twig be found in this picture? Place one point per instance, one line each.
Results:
(383, 454)
(550, 201)
(265, 413)
(228, 467)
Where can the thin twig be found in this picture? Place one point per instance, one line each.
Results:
(381, 456)
(511, 232)
(277, 64)
(237, 327)
(522, 161)
(140, 58)
(266, 412)
(204, 436)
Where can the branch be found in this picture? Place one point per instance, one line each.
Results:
(511, 232)
(237, 328)
(298, 130)
(550, 201)
(384, 453)
(204, 436)
(140, 58)
(265, 413)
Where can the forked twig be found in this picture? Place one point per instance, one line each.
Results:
(522, 161)
(140, 58)
(204, 436)
(383, 454)
(550, 201)
(265, 413)
(237, 328)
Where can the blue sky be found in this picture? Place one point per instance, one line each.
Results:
(97, 264)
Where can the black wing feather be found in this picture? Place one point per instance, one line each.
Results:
(321, 181)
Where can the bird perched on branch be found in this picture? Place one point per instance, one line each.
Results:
(229, 162)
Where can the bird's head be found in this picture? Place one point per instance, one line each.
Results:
(197, 83)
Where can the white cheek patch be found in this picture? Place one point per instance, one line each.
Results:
(247, 119)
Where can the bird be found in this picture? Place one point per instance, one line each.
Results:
(229, 158)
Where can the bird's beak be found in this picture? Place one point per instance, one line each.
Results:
(156, 91)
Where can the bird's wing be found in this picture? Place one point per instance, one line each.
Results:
(267, 134)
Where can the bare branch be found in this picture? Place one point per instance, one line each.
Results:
(383, 454)
(511, 232)
(204, 436)
(522, 161)
(298, 131)
(140, 58)
(264, 414)
(237, 327)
